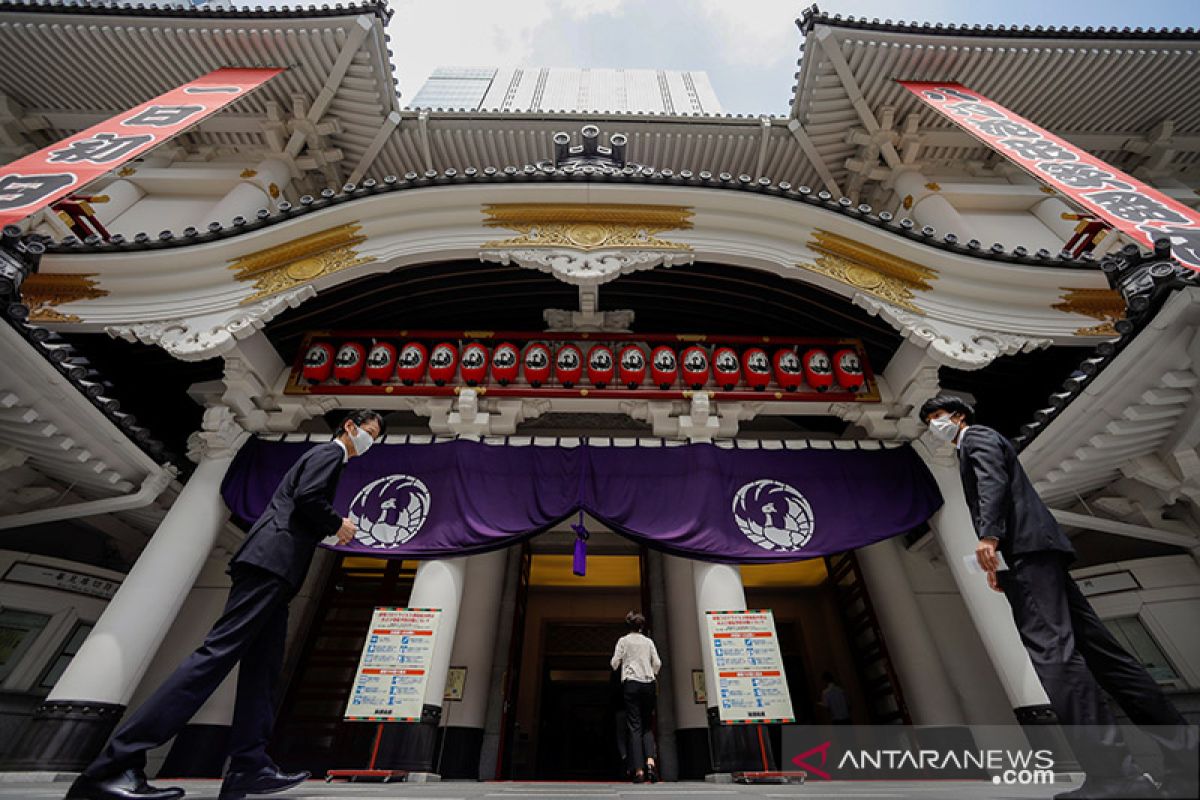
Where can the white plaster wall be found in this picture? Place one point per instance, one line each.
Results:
(1012, 228)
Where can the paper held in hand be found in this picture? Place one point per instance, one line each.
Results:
(973, 563)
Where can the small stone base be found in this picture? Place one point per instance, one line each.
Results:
(719, 777)
(423, 777)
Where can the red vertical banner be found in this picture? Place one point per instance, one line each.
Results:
(1127, 204)
(33, 182)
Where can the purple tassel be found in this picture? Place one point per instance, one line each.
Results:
(579, 565)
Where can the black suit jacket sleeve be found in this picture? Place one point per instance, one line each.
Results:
(312, 486)
(986, 458)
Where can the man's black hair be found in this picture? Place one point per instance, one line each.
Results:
(950, 404)
(635, 621)
(361, 417)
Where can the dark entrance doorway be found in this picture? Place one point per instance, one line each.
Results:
(579, 702)
(562, 721)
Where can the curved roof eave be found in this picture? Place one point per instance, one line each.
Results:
(1013, 253)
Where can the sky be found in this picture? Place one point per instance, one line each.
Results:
(748, 48)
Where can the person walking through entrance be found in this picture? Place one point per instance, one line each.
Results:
(1072, 651)
(266, 572)
(833, 698)
(637, 658)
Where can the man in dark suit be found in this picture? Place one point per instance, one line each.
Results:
(1072, 651)
(266, 572)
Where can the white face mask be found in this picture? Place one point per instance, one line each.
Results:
(943, 428)
(362, 441)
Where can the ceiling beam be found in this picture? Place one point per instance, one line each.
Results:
(1087, 522)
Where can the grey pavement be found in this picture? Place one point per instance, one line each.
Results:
(818, 790)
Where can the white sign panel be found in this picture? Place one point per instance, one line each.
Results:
(751, 684)
(394, 668)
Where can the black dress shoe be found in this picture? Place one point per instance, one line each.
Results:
(128, 785)
(267, 780)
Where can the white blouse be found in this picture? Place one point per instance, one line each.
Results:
(637, 657)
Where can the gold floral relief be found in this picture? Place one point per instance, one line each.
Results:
(584, 226)
(876, 272)
(1105, 305)
(300, 261)
(43, 293)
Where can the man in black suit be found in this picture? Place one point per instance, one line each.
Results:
(1072, 651)
(267, 571)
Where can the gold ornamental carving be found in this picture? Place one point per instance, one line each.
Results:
(1105, 305)
(876, 272)
(43, 293)
(584, 226)
(301, 261)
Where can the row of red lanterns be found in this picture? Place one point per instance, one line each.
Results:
(567, 364)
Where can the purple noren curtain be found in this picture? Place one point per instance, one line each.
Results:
(700, 501)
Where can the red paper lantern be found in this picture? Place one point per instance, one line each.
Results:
(411, 363)
(318, 363)
(695, 367)
(600, 366)
(756, 366)
(818, 371)
(632, 367)
(348, 366)
(568, 365)
(537, 364)
(506, 361)
(726, 372)
(381, 363)
(664, 367)
(847, 368)
(789, 373)
(474, 364)
(443, 362)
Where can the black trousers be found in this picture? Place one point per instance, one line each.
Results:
(251, 631)
(639, 713)
(1075, 655)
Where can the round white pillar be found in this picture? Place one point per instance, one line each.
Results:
(260, 187)
(412, 746)
(439, 584)
(732, 748)
(474, 647)
(199, 750)
(75, 720)
(955, 532)
(115, 657)
(684, 657)
(930, 208)
(475, 640)
(1050, 211)
(928, 692)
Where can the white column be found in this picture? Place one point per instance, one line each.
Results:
(930, 208)
(202, 608)
(475, 641)
(1050, 211)
(955, 533)
(928, 691)
(439, 584)
(115, 657)
(718, 588)
(252, 192)
(685, 654)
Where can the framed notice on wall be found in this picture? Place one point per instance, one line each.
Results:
(389, 685)
(751, 682)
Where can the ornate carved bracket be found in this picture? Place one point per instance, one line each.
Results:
(949, 344)
(199, 338)
(301, 261)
